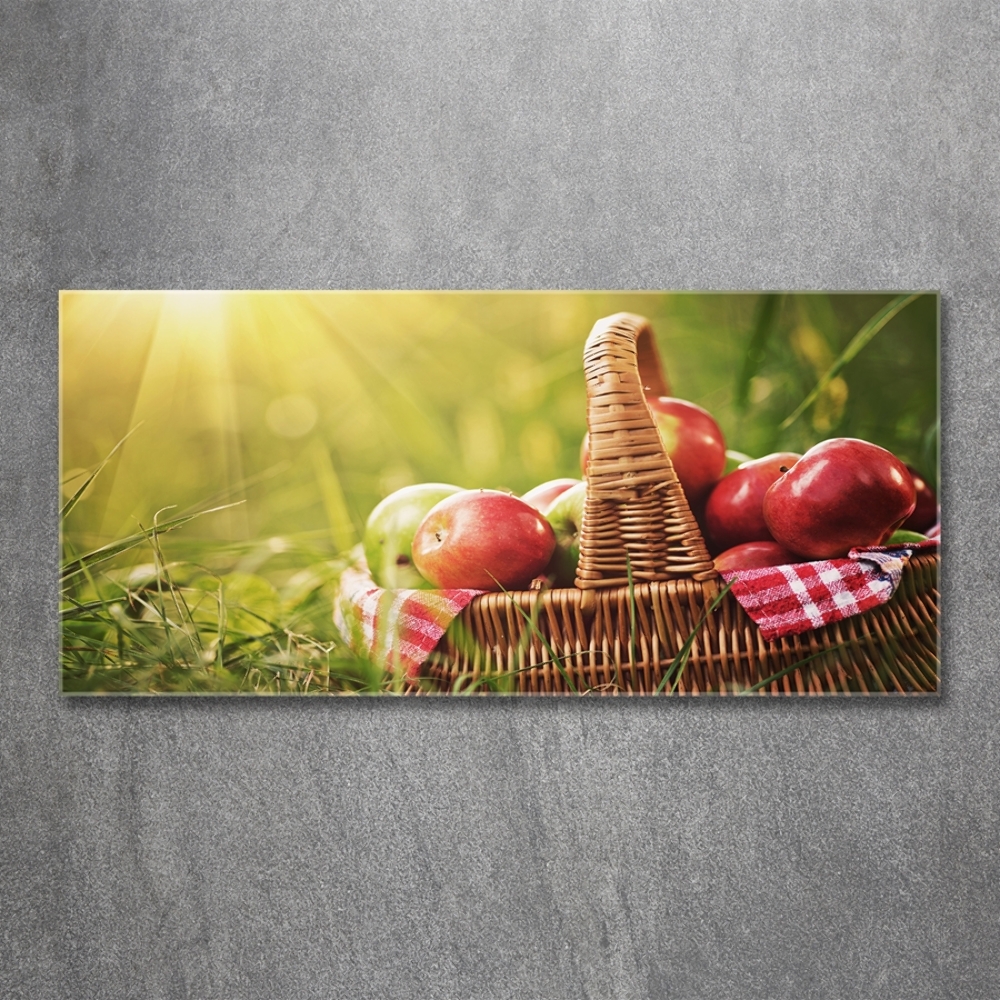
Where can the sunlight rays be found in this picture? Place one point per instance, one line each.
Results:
(184, 395)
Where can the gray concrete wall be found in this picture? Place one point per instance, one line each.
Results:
(230, 849)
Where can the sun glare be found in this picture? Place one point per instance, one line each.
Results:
(203, 310)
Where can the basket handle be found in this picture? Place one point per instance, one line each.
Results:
(636, 515)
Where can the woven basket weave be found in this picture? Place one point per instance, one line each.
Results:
(667, 630)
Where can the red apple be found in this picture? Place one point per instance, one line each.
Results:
(842, 493)
(755, 555)
(388, 537)
(735, 510)
(542, 497)
(482, 540)
(694, 442)
(691, 438)
(925, 513)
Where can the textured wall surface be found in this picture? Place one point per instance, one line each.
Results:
(218, 849)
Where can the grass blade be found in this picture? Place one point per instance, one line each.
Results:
(241, 485)
(492, 679)
(334, 501)
(112, 549)
(765, 321)
(532, 624)
(87, 612)
(858, 342)
(78, 495)
(631, 623)
(679, 662)
(180, 604)
(787, 670)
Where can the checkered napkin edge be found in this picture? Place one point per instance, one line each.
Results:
(396, 629)
(787, 600)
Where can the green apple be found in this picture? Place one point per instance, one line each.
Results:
(566, 517)
(902, 537)
(388, 540)
(734, 459)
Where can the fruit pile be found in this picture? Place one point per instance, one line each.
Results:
(783, 508)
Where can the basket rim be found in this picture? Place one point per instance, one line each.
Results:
(916, 561)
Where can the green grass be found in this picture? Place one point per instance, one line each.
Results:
(182, 627)
(253, 617)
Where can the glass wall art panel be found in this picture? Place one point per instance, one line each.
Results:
(496, 493)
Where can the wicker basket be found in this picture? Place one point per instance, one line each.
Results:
(666, 629)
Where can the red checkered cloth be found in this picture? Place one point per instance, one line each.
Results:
(396, 629)
(787, 600)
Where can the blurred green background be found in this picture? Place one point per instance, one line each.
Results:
(312, 406)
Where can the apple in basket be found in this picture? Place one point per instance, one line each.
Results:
(754, 555)
(842, 493)
(905, 537)
(566, 518)
(542, 497)
(691, 438)
(483, 540)
(389, 534)
(925, 514)
(734, 513)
